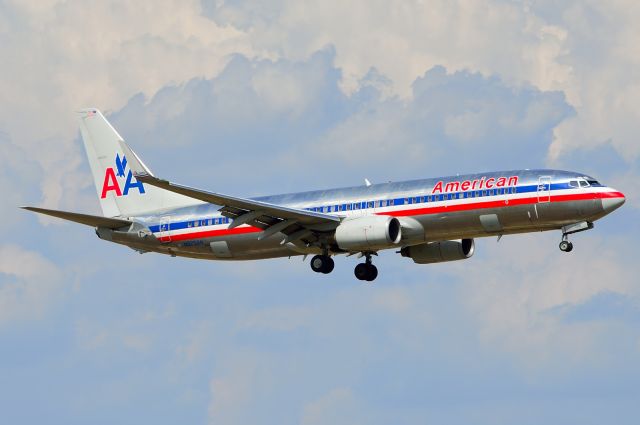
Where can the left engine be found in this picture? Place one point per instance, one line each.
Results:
(368, 233)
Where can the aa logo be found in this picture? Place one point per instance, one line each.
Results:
(112, 179)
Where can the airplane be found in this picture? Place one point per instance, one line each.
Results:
(429, 221)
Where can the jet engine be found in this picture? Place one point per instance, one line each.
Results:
(368, 233)
(439, 252)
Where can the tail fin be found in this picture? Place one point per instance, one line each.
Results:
(119, 192)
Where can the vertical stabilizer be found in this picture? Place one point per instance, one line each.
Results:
(119, 192)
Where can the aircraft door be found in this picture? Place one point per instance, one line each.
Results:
(544, 189)
(165, 228)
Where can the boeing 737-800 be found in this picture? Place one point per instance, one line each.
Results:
(430, 221)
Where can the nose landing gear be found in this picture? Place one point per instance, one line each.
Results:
(566, 246)
(366, 271)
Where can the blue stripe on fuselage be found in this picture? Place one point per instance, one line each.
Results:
(405, 200)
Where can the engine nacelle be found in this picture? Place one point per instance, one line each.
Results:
(368, 233)
(439, 252)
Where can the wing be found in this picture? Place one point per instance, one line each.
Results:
(86, 219)
(294, 222)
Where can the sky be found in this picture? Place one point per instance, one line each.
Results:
(256, 98)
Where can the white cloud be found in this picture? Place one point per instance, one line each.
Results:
(586, 49)
(59, 56)
(70, 54)
(29, 284)
(524, 278)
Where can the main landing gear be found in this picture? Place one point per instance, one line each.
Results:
(322, 264)
(366, 271)
(363, 271)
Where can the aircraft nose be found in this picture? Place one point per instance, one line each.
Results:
(613, 202)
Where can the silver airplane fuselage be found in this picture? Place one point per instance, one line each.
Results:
(429, 210)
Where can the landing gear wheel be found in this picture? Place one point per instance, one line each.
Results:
(322, 264)
(328, 265)
(365, 271)
(566, 246)
(361, 271)
(373, 273)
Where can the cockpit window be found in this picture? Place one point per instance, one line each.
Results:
(583, 183)
(573, 183)
(594, 182)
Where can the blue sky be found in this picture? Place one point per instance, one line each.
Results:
(281, 96)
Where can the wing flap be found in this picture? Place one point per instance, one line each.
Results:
(86, 219)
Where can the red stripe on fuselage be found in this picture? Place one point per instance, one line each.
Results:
(209, 234)
(416, 211)
(501, 203)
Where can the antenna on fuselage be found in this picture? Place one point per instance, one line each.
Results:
(367, 182)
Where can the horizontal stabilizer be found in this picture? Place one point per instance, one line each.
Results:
(89, 220)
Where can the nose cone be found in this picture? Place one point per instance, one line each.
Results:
(613, 202)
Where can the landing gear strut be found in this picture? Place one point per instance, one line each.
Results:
(322, 264)
(565, 245)
(366, 271)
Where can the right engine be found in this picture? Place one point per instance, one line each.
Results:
(439, 252)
